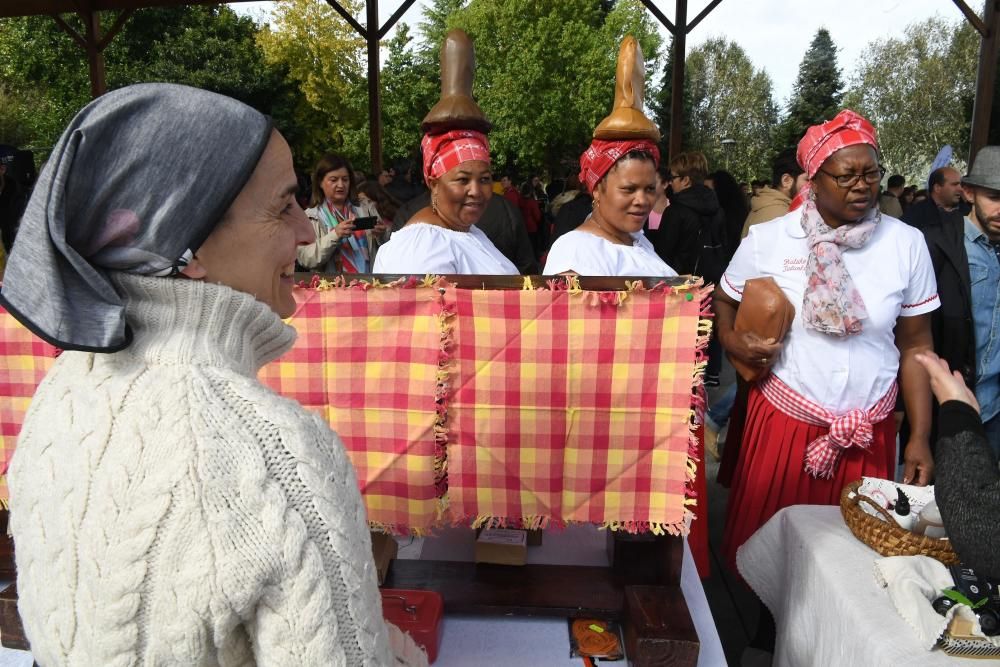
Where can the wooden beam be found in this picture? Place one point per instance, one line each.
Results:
(374, 89)
(95, 59)
(989, 50)
(384, 30)
(123, 17)
(660, 16)
(705, 12)
(350, 19)
(10, 8)
(973, 18)
(69, 30)
(677, 81)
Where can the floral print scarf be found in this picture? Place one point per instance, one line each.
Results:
(831, 303)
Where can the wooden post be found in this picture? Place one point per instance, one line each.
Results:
(95, 58)
(677, 80)
(374, 88)
(985, 79)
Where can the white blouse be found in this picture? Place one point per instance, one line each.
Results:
(420, 248)
(590, 255)
(894, 276)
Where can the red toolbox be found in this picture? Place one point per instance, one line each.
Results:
(417, 613)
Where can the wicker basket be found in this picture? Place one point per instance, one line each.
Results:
(888, 537)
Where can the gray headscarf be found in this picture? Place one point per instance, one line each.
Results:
(136, 183)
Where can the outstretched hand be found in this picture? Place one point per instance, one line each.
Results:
(946, 384)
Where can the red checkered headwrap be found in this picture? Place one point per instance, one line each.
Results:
(443, 152)
(598, 159)
(821, 141)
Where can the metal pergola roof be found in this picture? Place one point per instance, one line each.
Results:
(93, 42)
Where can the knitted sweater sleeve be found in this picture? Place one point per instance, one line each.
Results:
(967, 488)
(321, 605)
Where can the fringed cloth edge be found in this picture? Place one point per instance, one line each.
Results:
(693, 289)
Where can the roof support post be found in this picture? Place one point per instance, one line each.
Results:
(986, 76)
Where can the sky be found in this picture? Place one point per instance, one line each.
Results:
(774, 33)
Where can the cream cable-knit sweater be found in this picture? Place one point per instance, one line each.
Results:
(168, 509)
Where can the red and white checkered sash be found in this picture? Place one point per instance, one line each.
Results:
(853, 429)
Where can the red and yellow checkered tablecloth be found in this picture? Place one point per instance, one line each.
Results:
(568, 407)
(501, 407)
(367, 360)
(24, 361)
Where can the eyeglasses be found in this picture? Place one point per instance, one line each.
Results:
(850, 180)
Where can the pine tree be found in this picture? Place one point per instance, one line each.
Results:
(817, 93)
(659, 103)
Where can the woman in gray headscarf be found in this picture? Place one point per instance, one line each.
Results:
(168, 508)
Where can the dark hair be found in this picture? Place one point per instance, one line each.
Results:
(895, 181)
(663, 172)
(785, 162)
(733, 204)
(385, 203)
(937, 177)
(327, 163)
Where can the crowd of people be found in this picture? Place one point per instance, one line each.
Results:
(227, 520)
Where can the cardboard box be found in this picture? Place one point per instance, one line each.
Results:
(384, 549)
(502, 546)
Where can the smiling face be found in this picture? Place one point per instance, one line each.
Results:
(838, 205)
(336, 186)
(253, 249)
(460, 195)
(626, 195)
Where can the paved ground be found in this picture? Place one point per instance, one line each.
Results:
(733, 605)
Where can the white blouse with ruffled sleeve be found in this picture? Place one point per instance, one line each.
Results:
(420, 248)
(590, 255)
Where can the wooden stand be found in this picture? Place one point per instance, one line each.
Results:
(11, 630)
(641, 589)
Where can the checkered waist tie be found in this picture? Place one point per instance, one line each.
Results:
(853, 429)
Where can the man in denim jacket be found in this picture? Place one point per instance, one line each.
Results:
(982, 246)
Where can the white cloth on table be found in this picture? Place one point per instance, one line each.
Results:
(895, 277)
(590, 255)
(913, 582)
(421, 248)
(816, 578)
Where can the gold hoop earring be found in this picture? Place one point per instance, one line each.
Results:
(434, 206)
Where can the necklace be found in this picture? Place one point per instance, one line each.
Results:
(617, 239)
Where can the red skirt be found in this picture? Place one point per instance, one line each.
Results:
(770, 473)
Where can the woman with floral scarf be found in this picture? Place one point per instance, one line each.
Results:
(339, 247)
(863, 287)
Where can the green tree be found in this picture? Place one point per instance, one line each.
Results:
(545, 71)
(730, 100)
(661, 101)
(918, 92)
(325, 58)
(817, 92)
(46, 81)
(411, 84)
